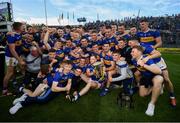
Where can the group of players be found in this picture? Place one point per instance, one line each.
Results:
(64, 58)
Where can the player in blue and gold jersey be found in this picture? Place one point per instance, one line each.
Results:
(149, 36)
(61, 83)
(12, 54)
(91, 77)
(107, 60)
(151, 80)
(155, 55)
(110, 39)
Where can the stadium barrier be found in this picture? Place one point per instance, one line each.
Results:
(169, 50)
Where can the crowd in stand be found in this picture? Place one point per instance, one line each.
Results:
(171, 23)
(169, 26)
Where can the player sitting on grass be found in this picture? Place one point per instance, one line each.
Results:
(91, 78)
(151, 80)
(76, 80)
(107, 60)
(44, 78)
(61, 83)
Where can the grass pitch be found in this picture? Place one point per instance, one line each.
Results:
(91, 107)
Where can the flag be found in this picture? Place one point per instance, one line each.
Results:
(68, 15)
(59, 18)
(62, 16)
(97, 16)
(73, 15)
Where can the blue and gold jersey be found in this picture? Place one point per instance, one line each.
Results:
(148, 50)
(95, 54)
(91, 68)
(60, 55)
(143, 71)
(73, 59)
(76, 42)
(106, 59)
(98, 42)
(67, 36)
(15, 39)
(62, 78)
(26, 47)
(112, 42)
(148, 37)
(126, 37)
(67, 50)
(77, 66)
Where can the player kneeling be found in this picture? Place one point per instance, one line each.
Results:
(151, 80)
(61, 82)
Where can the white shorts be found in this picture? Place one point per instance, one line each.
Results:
(11, 61)
(161, 64)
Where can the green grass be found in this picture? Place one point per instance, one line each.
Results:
(94, 108)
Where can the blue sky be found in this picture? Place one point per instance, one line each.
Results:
(32, 11)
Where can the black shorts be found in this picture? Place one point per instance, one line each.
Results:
(146, 81)
(75, 83)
